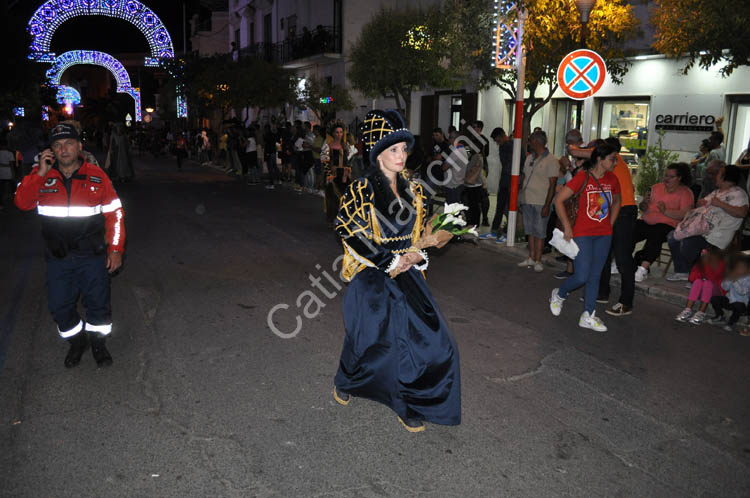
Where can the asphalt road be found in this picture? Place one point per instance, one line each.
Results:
(204, 399)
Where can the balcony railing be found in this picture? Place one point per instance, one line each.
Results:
(322, 40)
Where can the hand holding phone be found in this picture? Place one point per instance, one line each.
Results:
(46, 160)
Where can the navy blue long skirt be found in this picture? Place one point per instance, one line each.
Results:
(398, 349)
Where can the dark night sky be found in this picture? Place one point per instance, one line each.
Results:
(112, 35)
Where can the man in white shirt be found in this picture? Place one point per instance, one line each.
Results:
(538, 180)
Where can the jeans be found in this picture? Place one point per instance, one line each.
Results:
(534, 223)
(622, 249)
(686, 251)
(273, 169)
(501, 208)
(592, 253)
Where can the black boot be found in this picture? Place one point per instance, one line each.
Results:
(78, 345)
(101, 355)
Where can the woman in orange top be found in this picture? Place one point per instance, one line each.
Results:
(663, 208)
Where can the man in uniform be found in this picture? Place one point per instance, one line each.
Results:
(84, 234)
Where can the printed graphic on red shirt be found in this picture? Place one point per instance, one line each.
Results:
(597, 205)
(594, 203)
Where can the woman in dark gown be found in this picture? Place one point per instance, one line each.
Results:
(336, 157)
(398, 349)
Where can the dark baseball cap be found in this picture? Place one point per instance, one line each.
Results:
(62, 131)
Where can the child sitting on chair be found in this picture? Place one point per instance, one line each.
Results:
(706, 276)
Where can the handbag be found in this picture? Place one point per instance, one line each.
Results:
(694, 223)
(571, 205)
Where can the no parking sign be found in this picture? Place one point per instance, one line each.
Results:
(581, 74)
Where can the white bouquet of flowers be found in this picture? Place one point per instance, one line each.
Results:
(450, 221)
(444, 226)
(440, 229)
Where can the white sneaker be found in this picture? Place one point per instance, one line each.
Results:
(613, 269)
(684, 315)
(538, 267)
(556, 302)
(591, 322)
(698, 318)
(640, 274)
(528, 262)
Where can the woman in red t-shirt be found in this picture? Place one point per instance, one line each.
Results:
(598, 205)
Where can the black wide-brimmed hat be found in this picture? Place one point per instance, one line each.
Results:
(381, 129)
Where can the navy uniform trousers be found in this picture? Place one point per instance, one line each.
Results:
(74, 276)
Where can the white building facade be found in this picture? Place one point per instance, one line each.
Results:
(313, 38)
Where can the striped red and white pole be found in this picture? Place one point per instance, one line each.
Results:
(517, 131)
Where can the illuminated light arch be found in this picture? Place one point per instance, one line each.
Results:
(53, 13)
(92, 57)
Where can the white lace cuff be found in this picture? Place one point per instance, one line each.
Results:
(394, 263)
(424, 264)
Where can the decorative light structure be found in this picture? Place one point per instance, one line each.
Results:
(47, 18)
(504, 34)
(53, 13)
(418, 38)
(45, 113)
(68, 95)
(182, 110)
(76, 57)
(19, 112)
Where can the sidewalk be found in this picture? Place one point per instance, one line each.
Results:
(655, 286)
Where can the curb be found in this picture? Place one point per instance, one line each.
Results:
(654, 287)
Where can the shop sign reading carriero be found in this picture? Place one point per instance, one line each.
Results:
(685, 122)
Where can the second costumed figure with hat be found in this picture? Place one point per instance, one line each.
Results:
(398, 349)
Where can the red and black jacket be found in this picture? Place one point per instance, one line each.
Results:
(79, 214)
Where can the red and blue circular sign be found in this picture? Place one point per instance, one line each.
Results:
(581, 74)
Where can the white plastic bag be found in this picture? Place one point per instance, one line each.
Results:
(569, 249)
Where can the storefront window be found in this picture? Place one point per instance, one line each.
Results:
(456, 106)
(626, 120)
(566, 119)
(739, 131)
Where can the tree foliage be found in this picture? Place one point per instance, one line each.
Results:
(316, 90)
(219, 83)
(400, 51)
(653, 164)
(707, 32)
(553, 29)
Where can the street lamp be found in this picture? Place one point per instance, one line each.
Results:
(584, 7)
